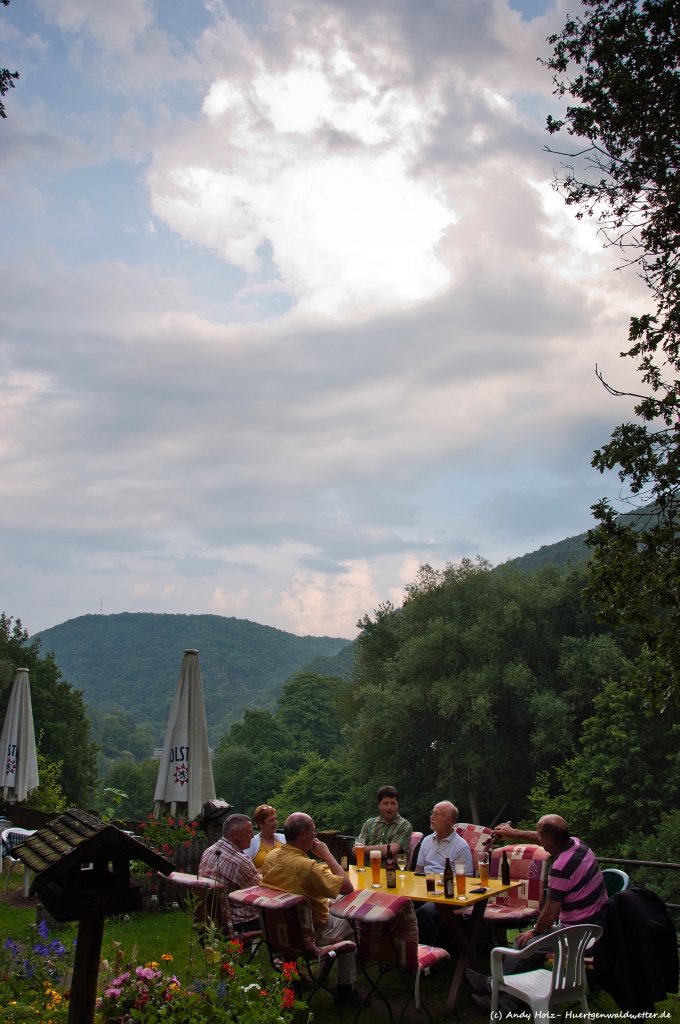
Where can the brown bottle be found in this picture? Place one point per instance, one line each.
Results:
(390, 868)
(505, 870)
(447, 879)
(344, 856)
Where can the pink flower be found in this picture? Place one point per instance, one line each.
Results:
(145, 972)
(113, 993)
(120, 980)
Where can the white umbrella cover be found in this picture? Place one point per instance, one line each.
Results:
(185, 773)
(19, 767)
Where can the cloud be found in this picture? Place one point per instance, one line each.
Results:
(427, 391)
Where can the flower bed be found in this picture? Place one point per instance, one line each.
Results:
(34, 973)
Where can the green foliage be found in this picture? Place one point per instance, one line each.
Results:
(622, 59)
(480, 681)
(49, 796)
(320, 788)
(564, 553)
(662, 845)
(131, 661)
(625, 775)
(137, 781)
(256, 756)
(118, 737)
(166, 833)
(58, 712)
(33, 975)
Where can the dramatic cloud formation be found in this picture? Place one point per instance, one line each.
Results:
(291, 306)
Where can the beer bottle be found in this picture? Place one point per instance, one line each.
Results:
(447, 878)
(390, 868)
(344, 856)
(505, 869)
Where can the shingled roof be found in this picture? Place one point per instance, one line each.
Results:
(72, 838)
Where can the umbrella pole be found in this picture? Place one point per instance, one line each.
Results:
(86, 971)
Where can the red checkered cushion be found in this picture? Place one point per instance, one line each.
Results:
(478, 839)
(381, 923)
(528, 863)
(287, 921)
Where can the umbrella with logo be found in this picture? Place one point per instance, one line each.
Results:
(19, 767)
(185, 774)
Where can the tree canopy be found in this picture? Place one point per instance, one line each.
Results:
(58, 711)
(620, 63)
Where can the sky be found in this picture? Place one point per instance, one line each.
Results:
(289, 305)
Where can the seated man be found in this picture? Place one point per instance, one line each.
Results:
(576, 895)
(227, 862)
(387, 827)
(290, 869)
(434, 849)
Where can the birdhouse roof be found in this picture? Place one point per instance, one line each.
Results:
(76, 836)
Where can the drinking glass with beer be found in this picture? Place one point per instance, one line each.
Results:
(483, 862)
(459, 867)
(359, 848)
(376, 858)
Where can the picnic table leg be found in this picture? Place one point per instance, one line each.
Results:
(465, 941)
(27, 880)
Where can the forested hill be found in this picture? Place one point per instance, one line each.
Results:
(571, 549)
(131, 661)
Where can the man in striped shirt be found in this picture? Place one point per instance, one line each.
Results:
(576, 895)
(227, 862)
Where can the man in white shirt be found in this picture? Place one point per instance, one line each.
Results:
(434, 849)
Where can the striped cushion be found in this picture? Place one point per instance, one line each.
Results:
(285, 917)
(529, 864)
(383, 922)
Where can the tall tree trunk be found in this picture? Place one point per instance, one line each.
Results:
(474, 811)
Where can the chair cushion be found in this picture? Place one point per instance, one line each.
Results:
(509, 913)
(261, 896)
(193, 881)
(369, 906)
(528, 864)
(478, 838)
(428, 955)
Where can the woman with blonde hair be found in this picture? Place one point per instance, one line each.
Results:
(268, 838)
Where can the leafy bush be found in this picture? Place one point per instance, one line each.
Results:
(166, 833)
(33, 974)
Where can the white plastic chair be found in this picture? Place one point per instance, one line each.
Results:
(543, 990)
(20, 834)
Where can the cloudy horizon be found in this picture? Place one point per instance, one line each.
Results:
(290, 306)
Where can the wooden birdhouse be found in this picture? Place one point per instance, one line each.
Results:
(82, 873)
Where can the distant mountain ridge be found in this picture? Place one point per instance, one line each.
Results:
(131, 661)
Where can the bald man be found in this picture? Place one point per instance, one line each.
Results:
(434, 849)
(291, 869)
(576, 895)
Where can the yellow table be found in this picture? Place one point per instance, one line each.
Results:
(465, 939)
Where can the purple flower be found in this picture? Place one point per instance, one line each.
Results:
(43, 930)
(113, 993)
(145, 972)
(120, 980)
(11, 945)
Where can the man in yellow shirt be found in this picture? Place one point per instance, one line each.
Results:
(291, 869)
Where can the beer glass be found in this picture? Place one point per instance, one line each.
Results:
(429, 881)
(359, 846)
(459, 868)
(483, 862)
(376, 858)
(401, 861)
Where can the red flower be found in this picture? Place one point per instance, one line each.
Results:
(289, 970)
(263, 992)
(288, 999)
(228, 970)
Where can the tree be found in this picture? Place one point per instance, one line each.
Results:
(138, 781)
(625, 775)
(306, 712)
(58, 711)
(476, 684)
(625, 55)
(321, 788)
(118, 737)
(7, 78)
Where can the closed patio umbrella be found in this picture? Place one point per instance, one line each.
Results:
(19, 767)
(185, 774)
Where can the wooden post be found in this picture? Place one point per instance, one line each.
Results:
(86, 970)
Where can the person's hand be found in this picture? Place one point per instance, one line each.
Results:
(504, 831)
(523, 938)
(320, 850)
(419, 871)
